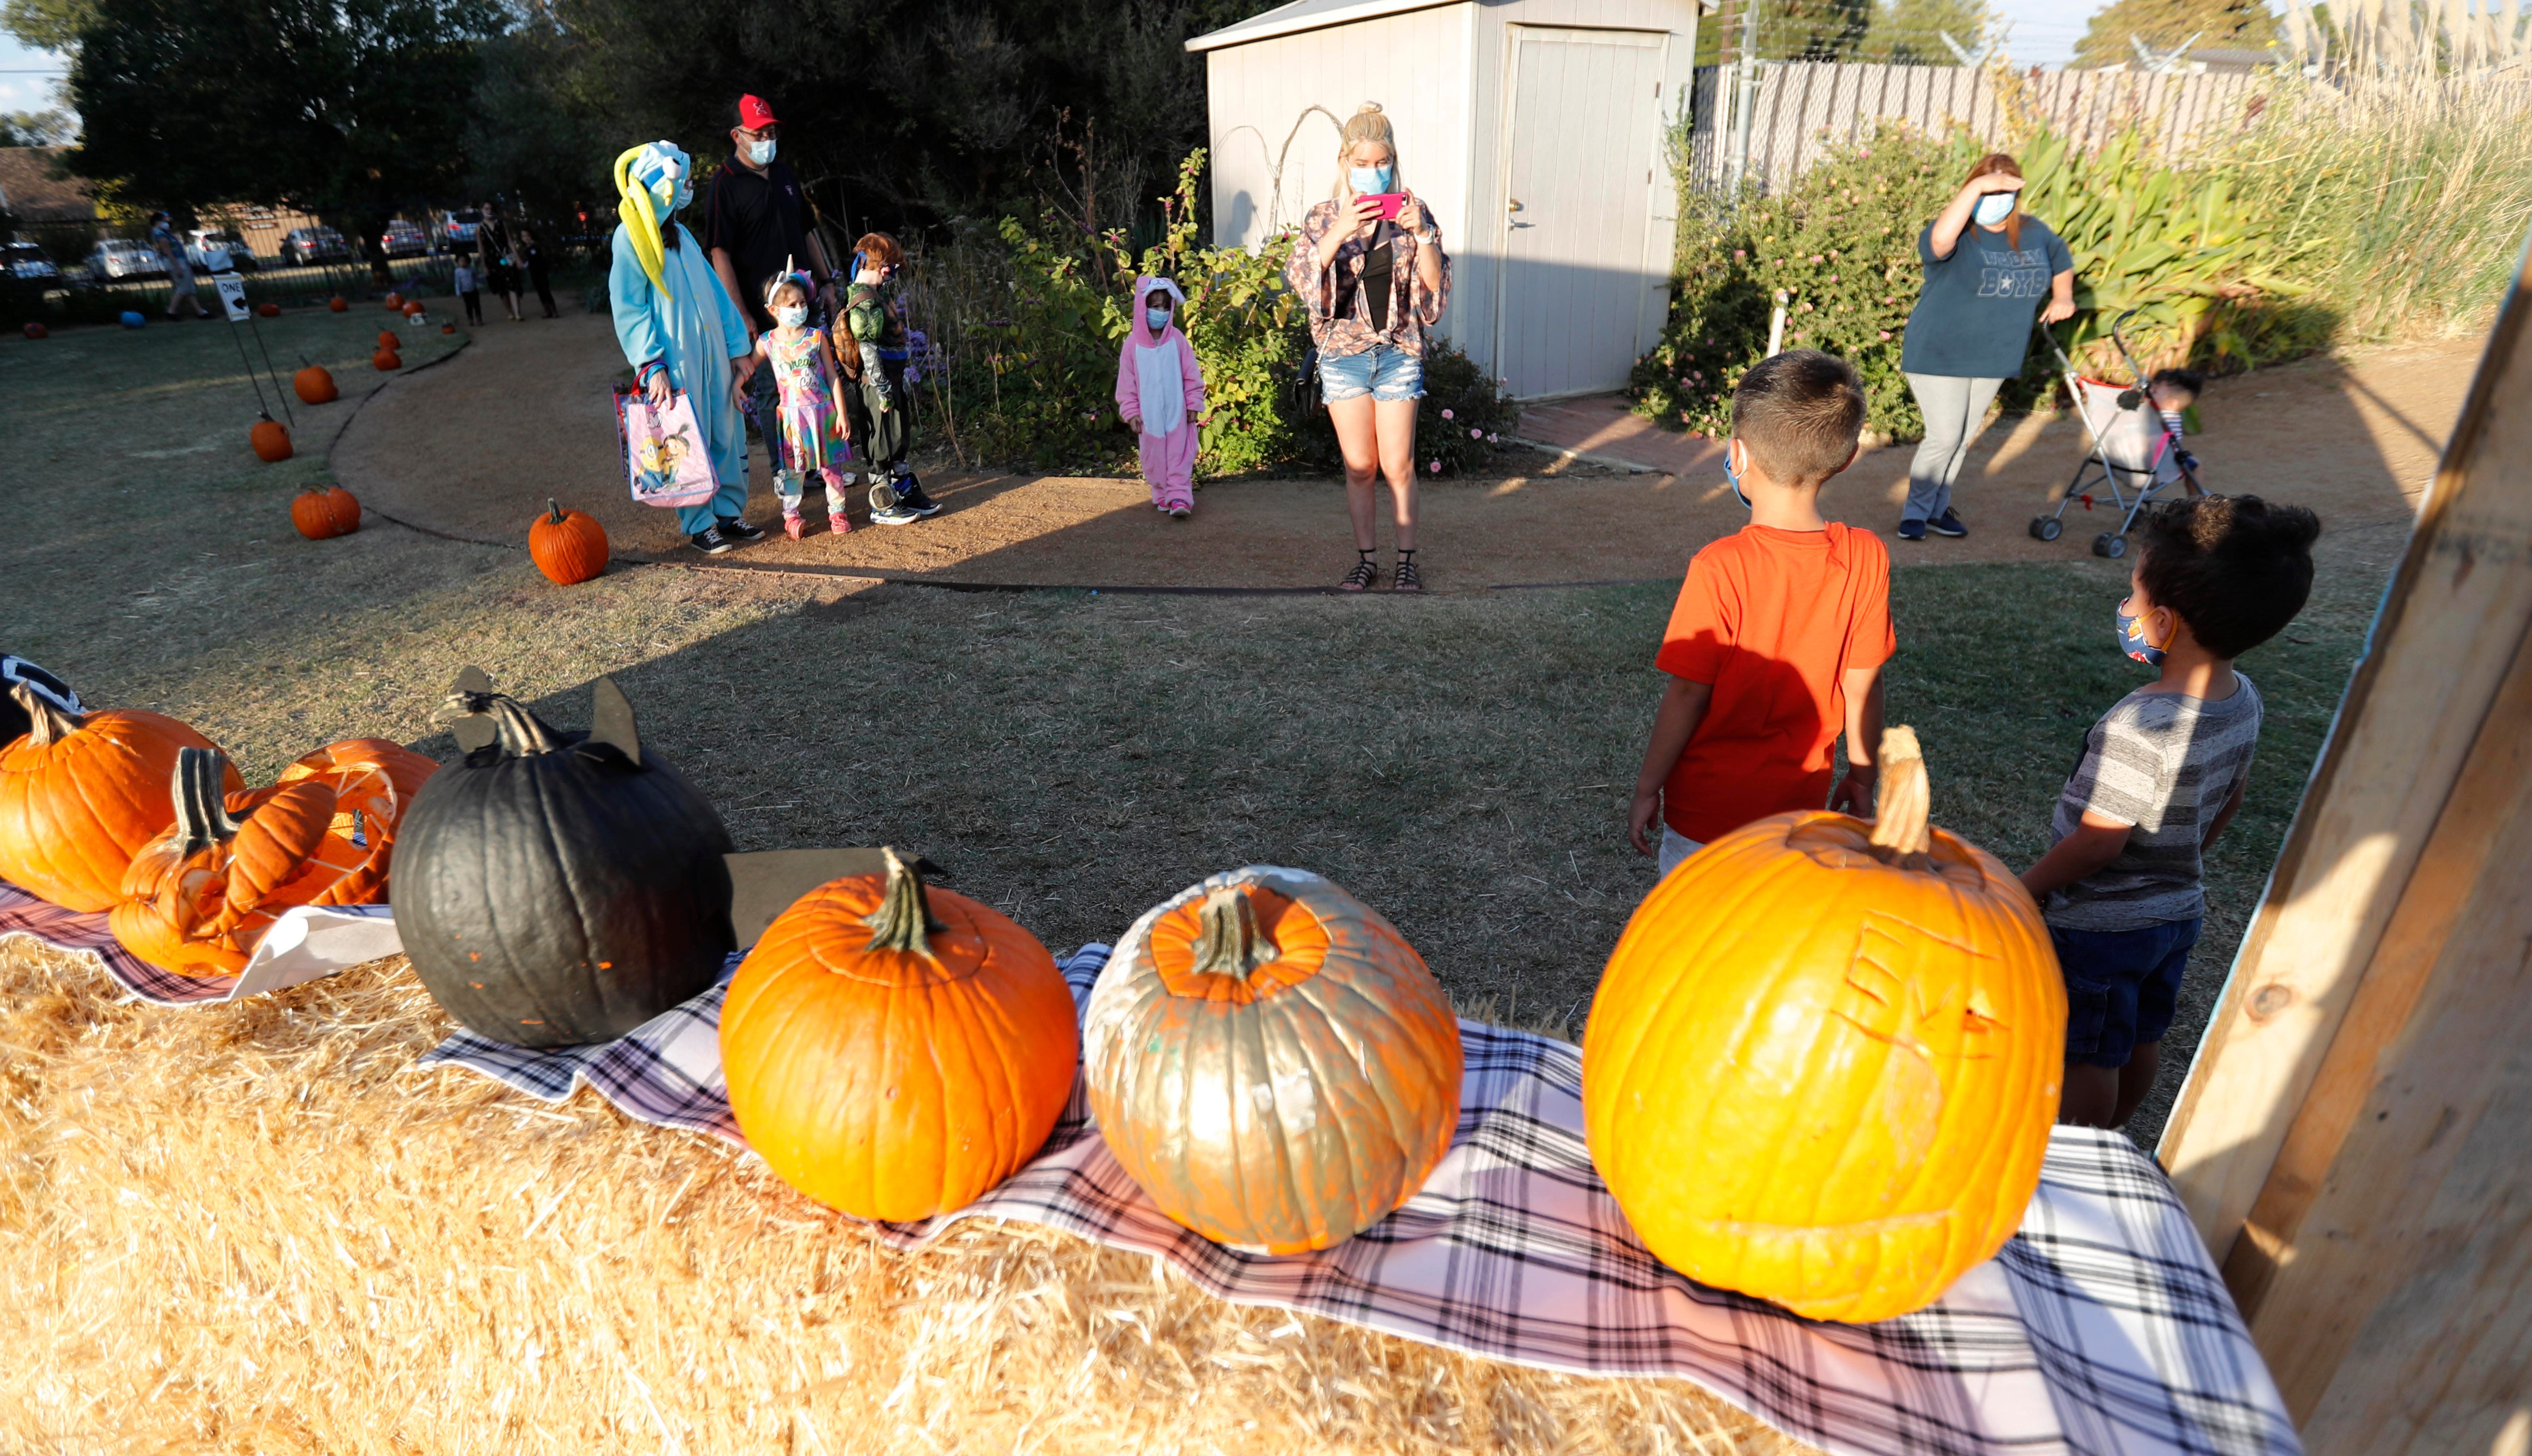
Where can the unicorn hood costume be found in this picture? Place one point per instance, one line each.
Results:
(1160, 382)
(671, 314)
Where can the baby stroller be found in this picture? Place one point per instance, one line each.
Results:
(2131, 448)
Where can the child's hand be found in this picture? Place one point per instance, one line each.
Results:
(1854, 793)
(1640, 818)
(1135, 423)
(1194, 418)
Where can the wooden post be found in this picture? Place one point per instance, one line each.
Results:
(2355, 1137)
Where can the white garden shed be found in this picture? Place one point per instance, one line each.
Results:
(1534, 129)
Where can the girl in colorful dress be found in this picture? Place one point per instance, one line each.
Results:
(810, 428)
(1160, 393)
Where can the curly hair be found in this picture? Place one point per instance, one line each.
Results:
(2234, 568)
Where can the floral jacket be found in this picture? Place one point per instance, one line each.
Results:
(1337, 336)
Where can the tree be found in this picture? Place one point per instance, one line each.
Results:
(2234, 25)
(349, 109)
(1910, 33)
(47, 128)
(1812, 30)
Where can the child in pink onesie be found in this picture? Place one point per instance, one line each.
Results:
(1160, 391)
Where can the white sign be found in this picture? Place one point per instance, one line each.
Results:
(232, 295)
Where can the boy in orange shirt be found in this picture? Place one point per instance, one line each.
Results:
(1780, 632)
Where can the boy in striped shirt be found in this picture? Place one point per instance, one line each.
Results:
(2162, 772)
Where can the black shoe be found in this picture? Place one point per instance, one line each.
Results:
(1912, 530)
(910, 496)
(710, 540)
(738, 530)
(1948, 524)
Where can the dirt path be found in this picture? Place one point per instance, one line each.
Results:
(474, 447)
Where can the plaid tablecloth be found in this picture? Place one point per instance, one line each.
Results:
(307, 943)
(2101, 1327)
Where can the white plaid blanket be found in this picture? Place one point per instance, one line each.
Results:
(2101, 1328)
(307, 943)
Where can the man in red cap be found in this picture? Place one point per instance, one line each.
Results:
(754, 226)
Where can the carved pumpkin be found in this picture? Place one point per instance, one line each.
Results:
(337, 304)
(268, 311)
(568, 545)
(387, 359)
(314, 386)
(80, 795)
(200, 898)
(559, 888)
(1822, 1063)
(326, 512)
(271, 441)
(1272, 1062)
(895, 1051)
(374, 781)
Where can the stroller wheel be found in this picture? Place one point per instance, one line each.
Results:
(2046, 528)
(2109, 543)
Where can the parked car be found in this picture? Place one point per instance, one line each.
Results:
(27, 261)
(457, 230)
(302, 245)
(215, 250)
(122, 257)
(401, 239)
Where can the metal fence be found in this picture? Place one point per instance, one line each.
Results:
(1800, 108)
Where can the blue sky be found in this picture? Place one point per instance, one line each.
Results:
(22, 92)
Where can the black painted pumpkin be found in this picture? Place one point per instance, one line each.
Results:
(559, 888)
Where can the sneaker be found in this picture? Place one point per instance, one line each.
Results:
(710, 540)
(738, 530)
(839, 523)
(1181, 512)
(794, 527)
(1912, 530)
(1948, 524)
(909, 494)
(895, 515)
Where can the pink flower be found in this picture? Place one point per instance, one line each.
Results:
(1446, 414)
(1739, 255)
(1476, 434)
(1815, 257)
(1435, 467)
(1494, 439)
(1885, 335)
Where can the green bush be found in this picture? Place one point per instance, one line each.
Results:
(1459, 427)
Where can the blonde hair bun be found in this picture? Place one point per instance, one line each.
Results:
(1367, 107)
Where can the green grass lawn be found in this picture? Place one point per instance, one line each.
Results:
(1462, 763)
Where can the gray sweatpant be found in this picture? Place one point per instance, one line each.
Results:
(1953, 406)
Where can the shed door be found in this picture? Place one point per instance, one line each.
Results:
(1580, 146)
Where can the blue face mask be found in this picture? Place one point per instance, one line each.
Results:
(2132, 639)
(761, 153)
(1159, 318)
(1370, 179)
(1994, 208)
(1732, 477)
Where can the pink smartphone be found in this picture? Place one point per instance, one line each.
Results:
(1390, 202)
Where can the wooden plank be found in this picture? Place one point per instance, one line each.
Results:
(2449, 627)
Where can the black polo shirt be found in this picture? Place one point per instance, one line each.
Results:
(760, 220)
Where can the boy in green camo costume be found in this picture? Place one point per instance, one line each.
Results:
(876, 402)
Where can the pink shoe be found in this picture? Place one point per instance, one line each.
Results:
(793, 526)
(839, 522)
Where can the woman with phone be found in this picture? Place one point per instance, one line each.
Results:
(1987, 266)
(1369, 266)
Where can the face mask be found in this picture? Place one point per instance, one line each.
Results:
(791, 316)
(1370, 179)
(1994, 208)
(761, 153)
(1733, 478)
(2132, 639)
(1159, 318)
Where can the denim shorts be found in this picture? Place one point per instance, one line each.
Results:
(2122, 987)
(1384, 371)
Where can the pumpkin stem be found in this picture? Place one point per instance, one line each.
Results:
(554, 511)
(1229, 940)
(1900, 833)
(47, 724)
(519, 732)
(201, 808)
(903, 920)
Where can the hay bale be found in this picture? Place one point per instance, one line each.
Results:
(260, 1228)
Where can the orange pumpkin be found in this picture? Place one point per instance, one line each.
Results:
(890, 1064)
(568, 545)
(337, 304)
(199, 899)
(1272, 1061)
(326, 512)
(374, 780)
(395, 301)
(387, 359)
(314, 386)
(268, 311)
(80, 795)
(1822, 1063)
(37, 330)
(271, 441)
(448, 328)
(413, 309)
(387, 339)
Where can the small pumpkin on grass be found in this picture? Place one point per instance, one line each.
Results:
(448, 328)
(326, 511)
(200, 899)
(270, 440)
(1822, 1063)
(387, 339)
(37, 330)
(559, 888)
(80, 795)
(314, 384)
(386, 360)
(895, 1051)
(268, 310)
(337, 304)
(568, 545)
(395, 302)
(1272, 1062)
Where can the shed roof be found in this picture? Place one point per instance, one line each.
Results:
(31, 190)
(1305, 14)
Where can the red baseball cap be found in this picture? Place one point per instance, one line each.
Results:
(753, 114)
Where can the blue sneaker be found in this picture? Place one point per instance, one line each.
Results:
(1912, 530)
(1948, 524)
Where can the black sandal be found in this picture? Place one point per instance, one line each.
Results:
(1407, 578)
(1365, 571)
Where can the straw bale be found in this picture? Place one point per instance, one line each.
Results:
(260, 1228)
